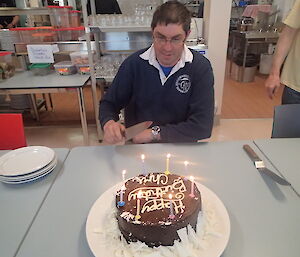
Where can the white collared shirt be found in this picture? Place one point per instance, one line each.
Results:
(150, 56)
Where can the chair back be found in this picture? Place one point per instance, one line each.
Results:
(286, 121)
(12, 134)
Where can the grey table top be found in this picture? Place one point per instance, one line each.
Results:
(19, 205)
(253, 34)
(26, 80)
(264, 215)
(283, 153)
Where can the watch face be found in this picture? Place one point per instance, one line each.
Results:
(155, 130)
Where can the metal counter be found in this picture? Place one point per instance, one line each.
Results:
(250, 37)
(27, 83)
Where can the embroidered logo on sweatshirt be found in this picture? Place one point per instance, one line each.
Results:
(183, 83)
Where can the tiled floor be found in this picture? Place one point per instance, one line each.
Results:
(71, 136)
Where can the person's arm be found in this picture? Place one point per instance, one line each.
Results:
(14, 22)
(284, 43)
(146, 137)
(113, 132)
(116, 98)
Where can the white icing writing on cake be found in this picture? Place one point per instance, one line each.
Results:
(127, 215)
(157, 198)
(159, 204)
(152, 178)
(159, 192)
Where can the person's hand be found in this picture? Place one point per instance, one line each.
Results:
(113, 133)
(9, 26)
(144, 137)
(272, 85)
(1, 27)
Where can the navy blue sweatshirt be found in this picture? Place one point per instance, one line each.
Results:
(183, 107)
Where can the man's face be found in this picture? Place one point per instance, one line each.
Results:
(168, 41)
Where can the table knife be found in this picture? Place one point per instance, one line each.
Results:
(134, 130)
(260, 166)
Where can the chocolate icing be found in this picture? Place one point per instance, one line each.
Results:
(154, 225)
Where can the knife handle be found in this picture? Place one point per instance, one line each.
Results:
(253, 156)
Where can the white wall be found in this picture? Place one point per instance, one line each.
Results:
(216, 31)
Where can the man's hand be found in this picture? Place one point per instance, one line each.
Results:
(9, 26)
(283, 46)
(1, 27)
(113, 133)
(144, 137)
(272, 85)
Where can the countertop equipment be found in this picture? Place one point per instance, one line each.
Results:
(245, 24)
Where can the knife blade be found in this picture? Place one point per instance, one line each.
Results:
(260, 166)
(134, 130)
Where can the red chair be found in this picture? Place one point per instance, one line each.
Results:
(12, 134)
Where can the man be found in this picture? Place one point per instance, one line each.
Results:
(105, 7)
(166, 83)
(7, 22)
(288, 50)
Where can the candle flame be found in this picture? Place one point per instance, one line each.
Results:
(168, 155)
(143, 157)
(186, 163)
(192, 178)
(139, 195)
(170, 196)
(123, 172)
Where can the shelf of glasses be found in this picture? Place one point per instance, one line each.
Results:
(4, 11)
(120, 28)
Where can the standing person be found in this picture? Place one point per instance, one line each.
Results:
(287, 51)
(8, 22)
(105, 7)
(168, 84)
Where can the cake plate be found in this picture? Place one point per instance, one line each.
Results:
(99, 216)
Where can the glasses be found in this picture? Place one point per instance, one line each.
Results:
(163, 41)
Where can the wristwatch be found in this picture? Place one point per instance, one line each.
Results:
(155, 130)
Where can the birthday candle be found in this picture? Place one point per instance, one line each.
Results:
(143, 164)
(171, 216)
(123, 176)
(186, 163)
(138, 205)
(167, 172)
(192, 186)
(122, 191)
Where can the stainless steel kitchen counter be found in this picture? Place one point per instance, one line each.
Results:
(250, 37)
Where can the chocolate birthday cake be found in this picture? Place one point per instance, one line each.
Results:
(151, 208)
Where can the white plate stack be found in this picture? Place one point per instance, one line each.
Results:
(26, 164)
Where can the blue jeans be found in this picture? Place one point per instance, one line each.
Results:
(290, 96)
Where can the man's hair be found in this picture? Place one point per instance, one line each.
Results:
(172, 12)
